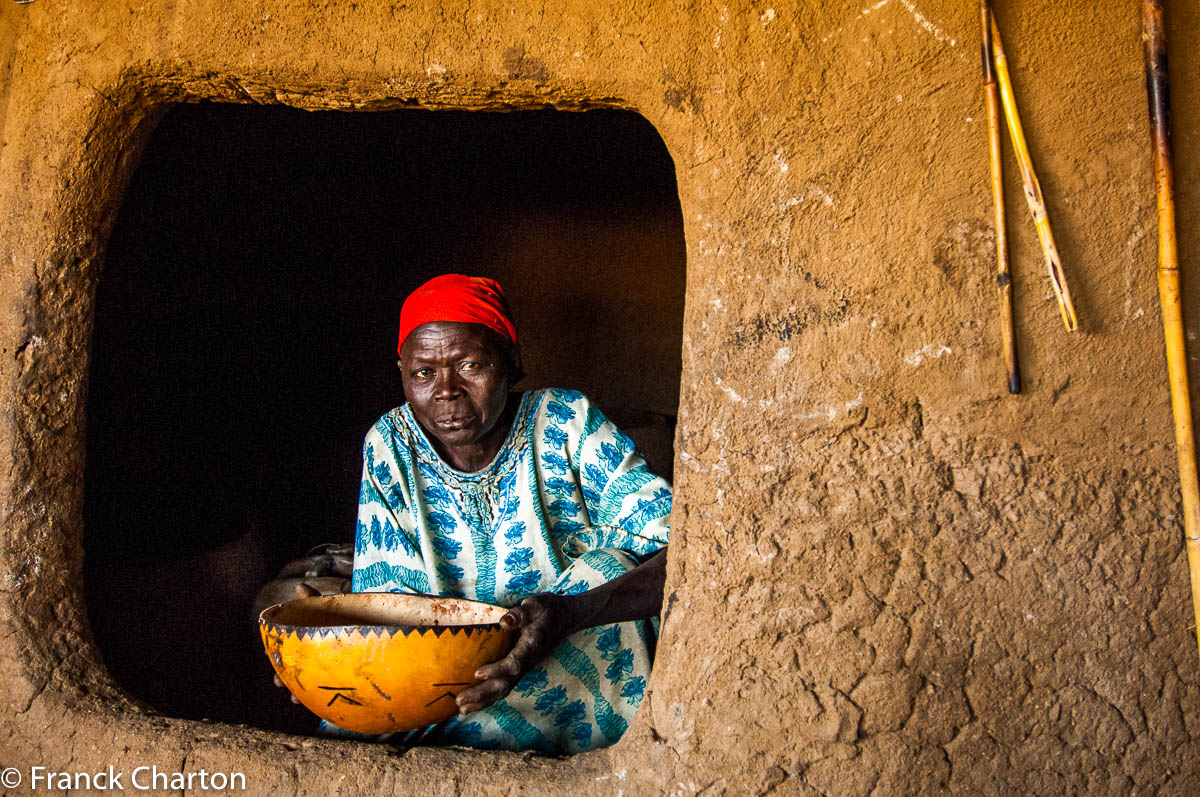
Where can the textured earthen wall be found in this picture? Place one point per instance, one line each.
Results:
(886, 574)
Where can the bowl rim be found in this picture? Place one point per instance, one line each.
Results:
(378, 629)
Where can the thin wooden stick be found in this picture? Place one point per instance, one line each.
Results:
(1155, 39)
(1008, 338)
(1033, 191)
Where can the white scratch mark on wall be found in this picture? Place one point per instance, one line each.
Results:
(811, 193)
(734, 396)
(767, 15)
(923, 21)
(930, 352)
(870, 9)
(831, 412)
(861, 14)
(930, 28)
(1131, 244)
(724, 17)
(828, 413)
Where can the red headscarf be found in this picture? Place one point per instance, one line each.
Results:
(455, 297)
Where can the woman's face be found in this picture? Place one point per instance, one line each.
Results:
(456, 378)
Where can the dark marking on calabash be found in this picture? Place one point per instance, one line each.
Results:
(442, 696)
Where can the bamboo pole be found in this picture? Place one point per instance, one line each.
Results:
(1033, 190)
(1154, 38)
(1008, 339)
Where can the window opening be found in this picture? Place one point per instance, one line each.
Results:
(244, 342)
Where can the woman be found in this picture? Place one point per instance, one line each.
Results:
(529, 500)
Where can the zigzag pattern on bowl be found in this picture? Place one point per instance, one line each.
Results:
(307, 632)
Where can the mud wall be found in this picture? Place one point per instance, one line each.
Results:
(887, 575)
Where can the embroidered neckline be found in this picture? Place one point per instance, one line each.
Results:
(506, 458)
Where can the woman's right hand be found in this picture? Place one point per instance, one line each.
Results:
(541, 622)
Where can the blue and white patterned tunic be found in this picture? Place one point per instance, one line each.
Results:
(566, 505)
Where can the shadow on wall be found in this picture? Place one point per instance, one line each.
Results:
(1183, 19)
(245, 340)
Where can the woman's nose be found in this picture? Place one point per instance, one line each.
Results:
(447, 386)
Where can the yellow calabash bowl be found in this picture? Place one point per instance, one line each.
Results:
(375, 662)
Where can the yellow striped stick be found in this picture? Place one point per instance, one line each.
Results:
(1033, 191)
(1157, 89)
(1008, 338)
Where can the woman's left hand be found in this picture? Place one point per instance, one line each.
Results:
(542, 621)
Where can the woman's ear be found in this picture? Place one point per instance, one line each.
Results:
(516, 371)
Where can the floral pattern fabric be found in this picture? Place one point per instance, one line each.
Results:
(567, 505)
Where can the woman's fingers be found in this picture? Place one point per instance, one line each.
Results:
(508, 667)
(517, 617)
(534, 618)
(500, 677)
(480, 696)
(530, 648)
(279, 683)
(539, 611)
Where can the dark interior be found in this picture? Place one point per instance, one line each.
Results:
(245, 340)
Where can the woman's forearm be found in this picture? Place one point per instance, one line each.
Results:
(635, 595)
